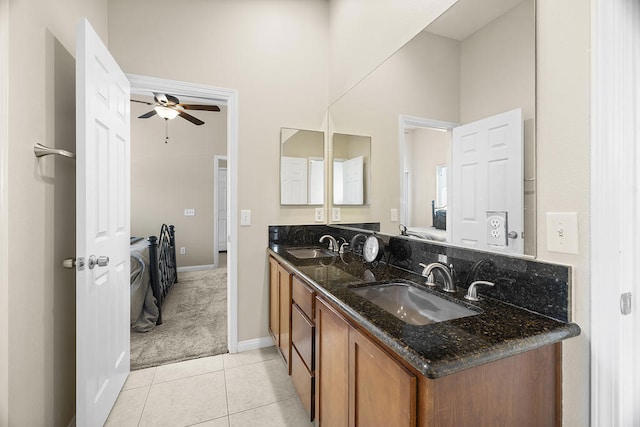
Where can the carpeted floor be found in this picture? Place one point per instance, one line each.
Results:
(194, 322)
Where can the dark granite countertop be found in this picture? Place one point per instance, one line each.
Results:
(437, 349)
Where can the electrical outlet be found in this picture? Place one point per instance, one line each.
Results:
(497, 228)
(189, 212)
(245, 217)
(394, 215)
(335, 214)
(183, 250)
(319, 214)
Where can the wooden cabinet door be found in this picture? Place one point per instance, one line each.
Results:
(274, 301)
(381, 392)
(332, 365)
(284, 279)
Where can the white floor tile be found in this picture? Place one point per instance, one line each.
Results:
(188, 368)
(128, 408)
(257, 384)
(249, 357)
(141, 378)
(219, 422)
(286, 413)
(186, 401)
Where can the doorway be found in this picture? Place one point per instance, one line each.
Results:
(228, 98)
(221, 197)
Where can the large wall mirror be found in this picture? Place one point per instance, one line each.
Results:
(301, 167)
(474, 62)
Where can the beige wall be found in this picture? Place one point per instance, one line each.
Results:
(422, 80)
(41, 208)
(425, 149)
(275, 54)
(168, 178)
(563, 131)
(365, 33)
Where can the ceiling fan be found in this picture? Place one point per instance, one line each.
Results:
(169, 107)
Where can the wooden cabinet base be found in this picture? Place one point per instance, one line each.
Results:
(516, 391)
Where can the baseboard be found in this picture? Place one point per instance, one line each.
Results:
(196, 268)
(255, 344)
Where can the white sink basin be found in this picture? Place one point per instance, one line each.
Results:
(411, 304)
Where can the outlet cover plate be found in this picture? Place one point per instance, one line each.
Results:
(497, 228)
(245, 217)
(335, 214)
(319, 214)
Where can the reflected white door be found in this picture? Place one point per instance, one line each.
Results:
(353, 181)
(222, 210)
(102, 228)
(316, 181)
(487, 176)
(293, 180)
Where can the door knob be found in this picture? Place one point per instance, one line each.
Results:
(101, 261)
(513, 235)
(71, 263)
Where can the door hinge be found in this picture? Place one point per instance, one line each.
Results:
(625, 303)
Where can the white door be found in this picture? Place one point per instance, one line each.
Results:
(316, 181)
(353, 181)
(222, 210)
(487, 176)
(102, 228)
(293, 179)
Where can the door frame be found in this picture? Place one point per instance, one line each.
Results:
(216, 170)
(4, 215)
(405, 123)
(615, 237)
(145, 84)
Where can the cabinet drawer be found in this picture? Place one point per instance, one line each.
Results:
(302, 336)
(304, 296)
(304, 383)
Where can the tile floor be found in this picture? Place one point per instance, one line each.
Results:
(243, 389)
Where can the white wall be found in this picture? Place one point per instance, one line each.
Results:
(41, 208)
(275, 54)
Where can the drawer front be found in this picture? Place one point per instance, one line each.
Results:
(304, 296)
(304, 383)
(303, 336)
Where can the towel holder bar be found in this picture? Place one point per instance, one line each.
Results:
(42, 150)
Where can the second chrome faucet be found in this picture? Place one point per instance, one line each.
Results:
(449, 286)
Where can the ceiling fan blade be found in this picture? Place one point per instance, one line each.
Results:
(147, 115)
(142, 102)
(172, 99)
(189, 117)
(161, 98)
(200, 107)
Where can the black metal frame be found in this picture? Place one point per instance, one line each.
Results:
(162, 255)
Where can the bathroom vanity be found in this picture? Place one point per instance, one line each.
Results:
(355, 363)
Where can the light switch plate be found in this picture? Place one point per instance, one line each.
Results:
(319, 214)
(335, 214)
(394, 215)
(245, 217)
(562, 232)
(189, 212)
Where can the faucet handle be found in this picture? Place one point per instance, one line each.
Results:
(426, 273)
(472, 293)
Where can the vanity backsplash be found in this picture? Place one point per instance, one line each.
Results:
(537, 286)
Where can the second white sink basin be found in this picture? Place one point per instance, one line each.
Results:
(411, 304)
(309, 253)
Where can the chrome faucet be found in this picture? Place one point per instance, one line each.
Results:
(333, 244)
(471, 292)
(449, 286)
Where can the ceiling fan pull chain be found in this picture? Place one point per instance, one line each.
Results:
(166, 131)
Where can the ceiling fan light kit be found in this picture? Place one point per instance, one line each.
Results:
(169, 107)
